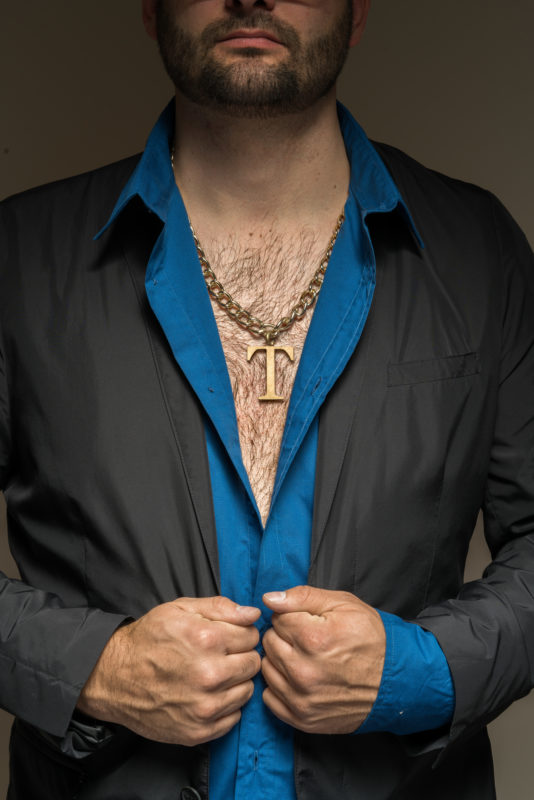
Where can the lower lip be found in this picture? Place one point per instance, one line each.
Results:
(251, 41)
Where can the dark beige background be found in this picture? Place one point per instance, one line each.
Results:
(451, 83)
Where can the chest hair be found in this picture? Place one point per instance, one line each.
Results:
(266, 278)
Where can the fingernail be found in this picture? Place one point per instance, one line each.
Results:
(246, 609)
(275, 597)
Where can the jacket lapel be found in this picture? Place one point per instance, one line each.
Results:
(139, 231)
(341, 410)
(335, 423)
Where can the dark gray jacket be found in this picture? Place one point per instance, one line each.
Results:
(104, 468)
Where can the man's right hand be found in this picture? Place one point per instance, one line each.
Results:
(180, 674)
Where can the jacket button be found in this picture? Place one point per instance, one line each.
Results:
(188, 793)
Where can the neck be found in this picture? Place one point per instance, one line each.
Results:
(240, 173)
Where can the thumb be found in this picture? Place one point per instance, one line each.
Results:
(298, 598)
(219, 609)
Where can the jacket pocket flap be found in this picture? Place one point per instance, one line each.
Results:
(434, 369)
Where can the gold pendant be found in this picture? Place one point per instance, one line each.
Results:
(270, 352)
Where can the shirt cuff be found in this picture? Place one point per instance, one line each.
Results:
(416, 691)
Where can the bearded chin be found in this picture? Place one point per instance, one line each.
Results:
(247, 89)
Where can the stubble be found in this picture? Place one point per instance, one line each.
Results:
(248, 86)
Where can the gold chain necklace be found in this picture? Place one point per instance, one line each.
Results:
(256, 326)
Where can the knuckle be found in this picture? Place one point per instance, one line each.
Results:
(193, 738)
(268, 635)
(267, 639)
(246, 690)
(313, 638)
(162, 614)
(206, 637)
(308, 593)
(184, 604)
(200, 735)
(301, 592)
(229, 722)
(221, 605)
(293, 670)
(305, 678)
(206, 710)
(245, 668)
(253, 664)
(300, 707)
(208, 677)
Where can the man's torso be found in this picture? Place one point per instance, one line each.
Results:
(266, 278)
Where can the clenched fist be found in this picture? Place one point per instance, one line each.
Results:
(323, 661)
(179, 674)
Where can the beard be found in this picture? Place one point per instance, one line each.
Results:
(248, 87)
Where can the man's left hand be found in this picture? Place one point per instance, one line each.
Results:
(323, 660)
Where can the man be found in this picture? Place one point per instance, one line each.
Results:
(176, 424)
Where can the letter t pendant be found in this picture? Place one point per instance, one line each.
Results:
(270, 352)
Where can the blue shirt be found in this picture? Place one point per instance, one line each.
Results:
(255, 759)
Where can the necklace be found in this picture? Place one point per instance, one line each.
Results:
(266, 330)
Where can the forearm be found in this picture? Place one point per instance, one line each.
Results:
(47, 652)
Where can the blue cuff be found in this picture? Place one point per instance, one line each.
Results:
(416, 692)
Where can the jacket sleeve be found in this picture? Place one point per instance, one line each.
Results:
(47, 651)
(487, 631)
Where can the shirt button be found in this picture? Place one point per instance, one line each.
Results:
(188, 793)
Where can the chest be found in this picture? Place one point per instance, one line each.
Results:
(255, 374)
(268, 285)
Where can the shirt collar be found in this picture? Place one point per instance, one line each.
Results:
(152, 180)
(370, 182)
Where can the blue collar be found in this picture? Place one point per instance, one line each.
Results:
(371, 184)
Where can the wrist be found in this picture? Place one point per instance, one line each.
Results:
(100, 697)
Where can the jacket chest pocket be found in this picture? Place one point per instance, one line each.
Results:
(422, 424)
(434, 369)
